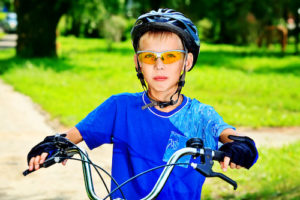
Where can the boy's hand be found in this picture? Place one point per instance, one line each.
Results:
(225, 164)
(34, 163)
(38, 154)
(241, 152)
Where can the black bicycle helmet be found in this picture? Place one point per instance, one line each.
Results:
(168, 20)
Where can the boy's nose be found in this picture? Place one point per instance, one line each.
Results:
(159, 63)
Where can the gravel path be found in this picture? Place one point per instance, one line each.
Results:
(23, 124)
(8, 41)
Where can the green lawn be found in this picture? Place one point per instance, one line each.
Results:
(275, 176)
(247, 86)
(1, 35)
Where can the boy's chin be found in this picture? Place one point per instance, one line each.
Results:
(162, 90)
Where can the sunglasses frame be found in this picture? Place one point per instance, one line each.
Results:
(158, 54)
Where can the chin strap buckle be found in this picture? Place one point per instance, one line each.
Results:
(161, 104)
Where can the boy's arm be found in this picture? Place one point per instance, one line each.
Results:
(73, 135)
(225, 133)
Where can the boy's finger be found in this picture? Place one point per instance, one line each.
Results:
(37, 162)
(226, 163)
(31, 162)
(43, 157)
(64, 162)
(232, 165)
(238, 167)
(222, 164)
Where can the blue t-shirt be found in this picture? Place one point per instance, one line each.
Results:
(143, 139)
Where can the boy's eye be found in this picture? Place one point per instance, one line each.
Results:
(171, 55)
(149, 55)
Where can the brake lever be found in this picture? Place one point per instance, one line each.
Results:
(205, 168)
(225, 178)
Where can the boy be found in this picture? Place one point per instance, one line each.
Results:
(143, 125)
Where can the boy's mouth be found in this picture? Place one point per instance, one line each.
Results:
(160, 78)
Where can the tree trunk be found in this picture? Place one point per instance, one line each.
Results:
(223, 34)
(155, 5)
(297, 31)
(37, 22)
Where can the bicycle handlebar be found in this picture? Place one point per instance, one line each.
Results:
(205, 167)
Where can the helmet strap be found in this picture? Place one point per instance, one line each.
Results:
(141, 76)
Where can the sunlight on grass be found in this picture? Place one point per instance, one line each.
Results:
(246, 85)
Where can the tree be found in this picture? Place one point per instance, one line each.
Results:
(294, 9)
(6, 5)
(84, 16)
(37, 22)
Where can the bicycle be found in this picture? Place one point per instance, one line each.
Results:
(194, 147)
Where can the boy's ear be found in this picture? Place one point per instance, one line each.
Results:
(189, 61)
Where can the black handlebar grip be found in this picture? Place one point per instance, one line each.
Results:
(49, 162)
(46, 164)
(26, 172)
(219, 155)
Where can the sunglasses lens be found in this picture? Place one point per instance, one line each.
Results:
(171, 56)
(147, 57)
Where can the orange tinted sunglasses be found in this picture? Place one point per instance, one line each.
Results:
(167, 57)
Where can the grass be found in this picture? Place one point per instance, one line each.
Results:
(275, 176)
(247, 86)
(1, 35)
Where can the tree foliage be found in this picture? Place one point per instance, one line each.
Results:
(222, 21)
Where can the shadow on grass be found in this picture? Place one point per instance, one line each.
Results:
(287, 69)
(56, 64)
(103, 50)
(265, 194)
(118, 50)
(220, 58)
(290, 193)
(228, 59)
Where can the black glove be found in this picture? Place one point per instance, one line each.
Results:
(242, 151)
(48, 145)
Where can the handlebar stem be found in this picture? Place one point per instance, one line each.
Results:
(87, 174)
(168, 169)
(159, 184)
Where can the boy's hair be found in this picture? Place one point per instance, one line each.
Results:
(156, 33)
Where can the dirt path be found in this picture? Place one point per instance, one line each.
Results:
(22, 125)
(8, 41)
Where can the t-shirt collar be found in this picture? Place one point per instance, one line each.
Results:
(146, 101)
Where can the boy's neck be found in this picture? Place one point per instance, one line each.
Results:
(163, 97)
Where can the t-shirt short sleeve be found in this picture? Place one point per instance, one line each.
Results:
(215, 124)
(201, 121)
(97, 127)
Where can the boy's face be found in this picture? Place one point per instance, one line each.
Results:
(162, 78)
